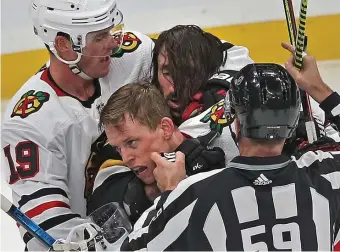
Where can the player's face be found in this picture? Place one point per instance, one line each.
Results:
(164, 76)
(100, 43)
(136, 142)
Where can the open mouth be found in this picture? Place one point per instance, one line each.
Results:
(138, 170)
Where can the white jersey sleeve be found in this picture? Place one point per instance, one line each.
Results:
(36, 170)
(46, 140)
(237, 58)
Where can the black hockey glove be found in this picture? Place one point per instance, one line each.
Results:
(198, 158)
(217, 88)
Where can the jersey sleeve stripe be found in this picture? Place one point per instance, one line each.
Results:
(333, 178)
(337, 237)
(50, 223)
(43, 207)
(310, 157)
(172, 230)
(40, 193)
(186, 183)
(331, 104)
(336, 110)
(337, 246)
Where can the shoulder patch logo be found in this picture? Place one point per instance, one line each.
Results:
(217, 118)
(29, 103)
(130, 44)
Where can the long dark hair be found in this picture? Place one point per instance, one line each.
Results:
(194, 56)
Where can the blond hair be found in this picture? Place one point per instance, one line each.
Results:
(141, 101)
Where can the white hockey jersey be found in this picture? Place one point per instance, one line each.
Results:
(46, 140)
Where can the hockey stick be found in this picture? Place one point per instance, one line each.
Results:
(290, 18)
(298, 39)
(26, 222)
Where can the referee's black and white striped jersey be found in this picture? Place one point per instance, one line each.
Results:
(265, 204)
(261, 204)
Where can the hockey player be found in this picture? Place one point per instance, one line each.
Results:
(51, 122)
(137, 121)
(193, 69)
(263, 201)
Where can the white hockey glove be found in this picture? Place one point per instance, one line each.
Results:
(89, 237)
(106, 230)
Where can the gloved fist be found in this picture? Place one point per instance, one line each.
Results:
(197, 157)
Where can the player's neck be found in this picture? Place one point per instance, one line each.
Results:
(70, 82)
(249, 148)
(176, 139)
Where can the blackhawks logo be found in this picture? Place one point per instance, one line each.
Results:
(130, 44)
(217, 118)
(29, 103)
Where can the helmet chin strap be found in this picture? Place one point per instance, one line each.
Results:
(76, 70)
(72, 64)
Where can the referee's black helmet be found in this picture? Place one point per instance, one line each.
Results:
(266, 101)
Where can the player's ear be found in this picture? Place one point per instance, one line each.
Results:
(167, 126)
(62, 44)
(64, 47)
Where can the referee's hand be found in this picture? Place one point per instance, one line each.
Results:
(168, 174)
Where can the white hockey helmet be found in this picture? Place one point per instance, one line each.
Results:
(76, 18)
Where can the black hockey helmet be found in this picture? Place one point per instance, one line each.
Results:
(266, 101)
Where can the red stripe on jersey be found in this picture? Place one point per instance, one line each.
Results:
(45, 77)
(186, 135)
(337, 246)
(43, 207)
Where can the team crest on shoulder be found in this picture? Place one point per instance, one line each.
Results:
(30, 103)
(217, 118)
(130, 44)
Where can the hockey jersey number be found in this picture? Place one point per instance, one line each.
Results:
(27, 158)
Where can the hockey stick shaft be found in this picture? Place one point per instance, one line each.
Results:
(298, 39)
(299, 50)
(290, 19)
(26, 222)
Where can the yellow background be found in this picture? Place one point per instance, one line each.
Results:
(262, 38)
